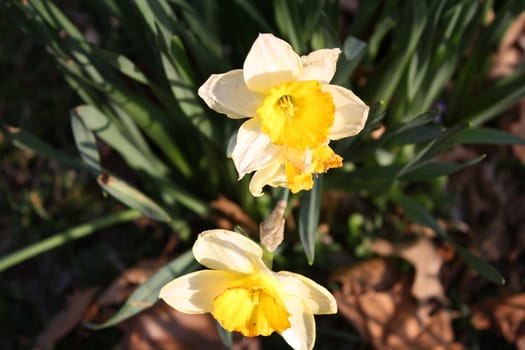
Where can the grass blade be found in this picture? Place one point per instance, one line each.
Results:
(309, 218)
(131, 197)
(489, 136)
(148, 293)
(66, 236)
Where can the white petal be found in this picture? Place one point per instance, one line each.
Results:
(270, 62)
(194, 293)
(273, 175)
(253, 149)
(350, 112)
(301, 334)
(228, 94)
(317, 297)
(226, 250)
(320, 65)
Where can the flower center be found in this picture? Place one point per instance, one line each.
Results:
(298, 114)
(252, 308)
(286, 106)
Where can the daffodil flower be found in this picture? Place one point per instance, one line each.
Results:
(244, 295)
(294, 113)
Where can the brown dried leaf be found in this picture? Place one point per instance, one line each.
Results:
(67, 319)
(505, 314)
(122, 287)
(390, 318)
(233, 213)
(162, 327)
(427, 262)
(510, 52)
(518, 129)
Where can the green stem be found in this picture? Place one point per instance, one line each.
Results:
(65, 236)
(267, 257)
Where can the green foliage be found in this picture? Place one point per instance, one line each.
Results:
(138, 87)
(148, 293)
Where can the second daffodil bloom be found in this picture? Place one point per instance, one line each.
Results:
(294, 113)
(244, 295)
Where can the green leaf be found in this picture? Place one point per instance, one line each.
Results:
(122, 63)
(413, 136)
(286, 16)
(353, 51)
(490, 136)
(148, 293)
(26, 140)
(132, 197)
(86, 144)
(375, 178)
(226, 337)
(71, 234)
(408, 34)
(309, 218)
(255, 15)
(415, 212)
(440, 144)
(108, 131)
(428, 171)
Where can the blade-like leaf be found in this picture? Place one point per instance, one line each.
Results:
(353, 51)
(148, 293)
(66, 236)
(375, 179)
(26, 140)
(431, 170)
(490, 137)
(309, 218)
(414, 211)
(132, 197)
(98, 123)
(441, 143)
(86, 144)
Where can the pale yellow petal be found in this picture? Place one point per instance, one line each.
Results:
(299, 159)
(194, 293)
(320, 65)
(270, 62)
(318, 299)
(301, 334)
(253, 149)
(350, 112)
(226, 250)
(273, 175)
(228, 94)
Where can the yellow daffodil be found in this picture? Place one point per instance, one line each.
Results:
(294, 113)
(244, 295)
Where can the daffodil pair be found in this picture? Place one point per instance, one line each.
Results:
(294, 113)
(244, 295)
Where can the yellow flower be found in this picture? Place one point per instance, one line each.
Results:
(294, 113)
(244, 295)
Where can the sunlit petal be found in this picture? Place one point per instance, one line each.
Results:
(270, 62)
(227, 93)
(273, 175)
(226, 250)
(194, 293)
(350, 112)
(253, 149)
(301, 334)
(320, 65)
(317, 297)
